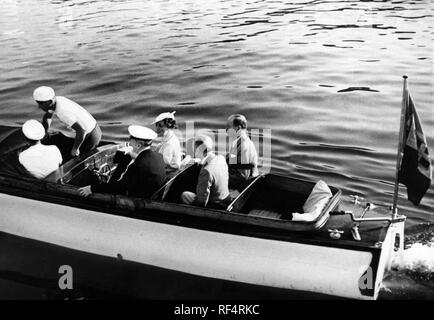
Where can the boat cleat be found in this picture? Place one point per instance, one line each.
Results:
(335, 233)
(355, 233)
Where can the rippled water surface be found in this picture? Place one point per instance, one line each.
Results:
(324, 76)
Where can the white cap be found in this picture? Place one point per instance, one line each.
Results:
(164, 115)
(43, 94)
(142, 133)
(33, 130)
(207, 142)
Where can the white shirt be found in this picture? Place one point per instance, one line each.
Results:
(246, 151)
(70, 112)
(170, 148)
(40, 160)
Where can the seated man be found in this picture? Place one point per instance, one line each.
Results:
(242, 158)
(212, 185)
(143, 175)
(39, 160)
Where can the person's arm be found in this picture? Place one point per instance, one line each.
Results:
(79, 138)
(203, 188)
(231, 157)
(168, 155)
(114, 186)
(46, 120)
(59, 156)
(243, 158)
(255, 171)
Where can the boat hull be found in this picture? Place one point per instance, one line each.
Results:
(33, 273)
(147, 259)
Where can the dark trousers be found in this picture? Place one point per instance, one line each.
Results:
(221, 205)
(92, 140)
(236, 181)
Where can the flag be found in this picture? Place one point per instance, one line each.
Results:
(415, 171)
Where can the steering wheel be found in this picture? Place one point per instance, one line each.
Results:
(103, 173)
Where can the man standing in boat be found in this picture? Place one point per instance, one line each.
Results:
(87, 131)
(242, 158)
(143, 175)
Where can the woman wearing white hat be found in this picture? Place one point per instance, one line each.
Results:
(169, 147)
(39, 160)
(87, 131)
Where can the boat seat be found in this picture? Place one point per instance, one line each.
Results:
(264, 213)
(240, 198)
(269, 197)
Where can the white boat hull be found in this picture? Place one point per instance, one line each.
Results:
(216, 255)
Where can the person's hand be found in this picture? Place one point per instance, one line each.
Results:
(186, 159)
(85, 191)
(132, 154)
(126, 149)
(75, 152)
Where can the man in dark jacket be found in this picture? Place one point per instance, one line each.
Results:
(144, 174)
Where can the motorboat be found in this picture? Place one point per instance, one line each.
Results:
(158, 248)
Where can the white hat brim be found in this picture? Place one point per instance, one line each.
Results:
(164, 115)
(141, 132)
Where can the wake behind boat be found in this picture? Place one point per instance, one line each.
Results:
(159, 248)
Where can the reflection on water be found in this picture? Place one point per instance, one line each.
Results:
(324, 76)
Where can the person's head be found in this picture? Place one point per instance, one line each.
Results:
(34, 131)
(165, 121)
(45, 97)
(236, 122)
(202, 146)
(140, 137)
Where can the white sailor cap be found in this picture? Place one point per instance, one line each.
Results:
(33, 130)
(141, 132)
(165, 115)
(43, 94)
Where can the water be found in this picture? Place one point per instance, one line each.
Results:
(324, 76)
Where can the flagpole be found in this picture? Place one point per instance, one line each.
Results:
(400, 146)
